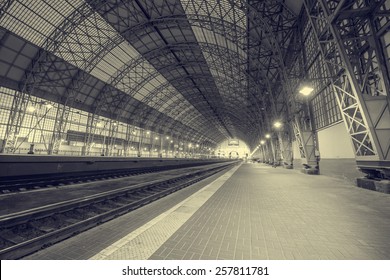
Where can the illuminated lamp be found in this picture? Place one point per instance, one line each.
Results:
(31, 109)
(48, 106)
(306, 90)
(277, 124)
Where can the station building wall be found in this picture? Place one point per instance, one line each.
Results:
(337, 155)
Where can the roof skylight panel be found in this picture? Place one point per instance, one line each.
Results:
(164, 106)
(75, 56)
(140, 94)
(217, 9)
(169, 107)
(161, 104)
(161, 79)
(184, 115)
(151, 85)
(112, 61)
(125, 51)
(214, 72)
(165, 100)
(104, 70)
(177, 102)
(91, 36)
(35, 20)
(209, 35)
(133, 76)
(221, 41)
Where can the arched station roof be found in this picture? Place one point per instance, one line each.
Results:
(195, 68)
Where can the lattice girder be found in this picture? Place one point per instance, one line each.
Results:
(149, 26)
(161, 22)
(267, 63)
(352, 44)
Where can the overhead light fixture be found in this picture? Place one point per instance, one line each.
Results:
(268, 136)
(306, 90)
(277, 124)
(48, 106)
(31, 109)
(262, 142)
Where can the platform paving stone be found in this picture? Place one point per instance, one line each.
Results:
(267, 213)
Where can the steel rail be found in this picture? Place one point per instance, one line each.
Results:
(37, 182)
(111, 204)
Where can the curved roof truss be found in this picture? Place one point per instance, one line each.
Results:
(202, 64)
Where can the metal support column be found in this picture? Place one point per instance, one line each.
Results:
(351, 37)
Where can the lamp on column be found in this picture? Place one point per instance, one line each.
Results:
(306, 88)
(277, 124)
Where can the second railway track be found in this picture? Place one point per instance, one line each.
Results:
(12, 185)
(27, 231)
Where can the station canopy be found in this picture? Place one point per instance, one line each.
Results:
(197, 69)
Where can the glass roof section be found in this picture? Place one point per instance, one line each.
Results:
(113, 60)
(220, 9)
(226, 24)
(37, 21)
(188, 59)
(86, 41)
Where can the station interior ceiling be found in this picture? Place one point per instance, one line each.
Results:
(180, 67)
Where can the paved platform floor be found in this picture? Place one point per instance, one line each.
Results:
(254, 212)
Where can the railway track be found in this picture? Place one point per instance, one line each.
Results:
(37, 182)
(25, 232)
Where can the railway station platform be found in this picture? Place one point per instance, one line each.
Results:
(252, 211)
